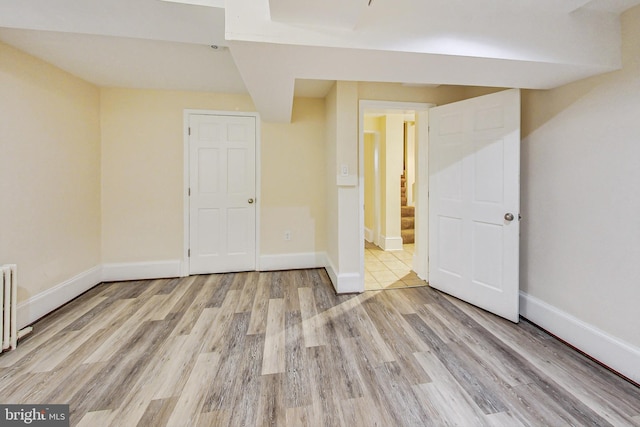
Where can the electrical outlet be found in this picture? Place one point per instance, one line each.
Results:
(287, 235)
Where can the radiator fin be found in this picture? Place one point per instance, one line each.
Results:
(9, 303)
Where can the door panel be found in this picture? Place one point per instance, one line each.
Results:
(474, 168)
(222, 229)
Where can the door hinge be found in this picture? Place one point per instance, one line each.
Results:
(189, 253)
(189, 191)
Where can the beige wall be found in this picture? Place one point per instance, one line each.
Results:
(580, 200)
(293, 181)
(378, 125)
(142, 150)
(369, 180)
(142, 170)
(49, 172)
(393, 154)
(331, 201)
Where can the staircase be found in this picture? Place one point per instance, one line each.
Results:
(407, 214)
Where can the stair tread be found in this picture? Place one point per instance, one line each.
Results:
(408, 236)
(407, 211)
(407, 223)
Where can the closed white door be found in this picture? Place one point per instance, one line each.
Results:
(222, 208)
(474, 201)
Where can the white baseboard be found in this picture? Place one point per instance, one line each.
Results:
(349, 283)
(141, 270)
(345, 283)
(368, 234)
(294, 261)
(607, 349)
(391, 243)
(45, 302)
(333, 274)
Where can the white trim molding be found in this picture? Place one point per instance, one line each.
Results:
(345, 283)
(603, 347)
(295, 261)
(369, 235)
(45, 302)
(141, 270)
(391, 243)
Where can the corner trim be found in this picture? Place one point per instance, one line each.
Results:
(141, 270)
(605, 348)
(345, 283)
(294, 261)
(391, 243)
(368, 234)
(45, 302)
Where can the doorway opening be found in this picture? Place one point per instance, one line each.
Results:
(392, 152)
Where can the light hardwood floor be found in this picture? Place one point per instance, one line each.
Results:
(280, 348)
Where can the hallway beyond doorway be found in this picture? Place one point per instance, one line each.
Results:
(389, 269)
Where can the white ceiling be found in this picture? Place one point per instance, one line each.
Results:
(275, 48)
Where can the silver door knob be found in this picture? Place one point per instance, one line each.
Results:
(250, 201)
(508, 216)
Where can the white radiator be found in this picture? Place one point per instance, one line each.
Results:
(9, 303)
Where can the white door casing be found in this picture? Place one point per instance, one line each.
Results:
(222, 193)
(474, 188)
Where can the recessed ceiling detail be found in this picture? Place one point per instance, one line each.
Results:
(275, 49)
(210, 3)
(318, 13)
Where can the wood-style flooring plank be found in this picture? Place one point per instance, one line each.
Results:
(248, 292)
(273, 359)
(107, 389)
(281, 348)
(246, 387)
(191, 401)
(296, 382)
(260, 303)
(174, 366)
(271, 401)
(291, 283)
(158, 412)
(326, 403)
(215, 418)
(311, 322)
(569, 371)
(95, 418)
(188, 313)
(466, 375)
(48, 327)
(228, 374)
(300, 416)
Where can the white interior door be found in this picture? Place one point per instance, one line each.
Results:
(474, 201)
(222, 208)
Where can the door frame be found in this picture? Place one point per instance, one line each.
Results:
(376, 186)
(184, 270)
(420, 262)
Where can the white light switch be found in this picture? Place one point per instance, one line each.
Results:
(344, 170)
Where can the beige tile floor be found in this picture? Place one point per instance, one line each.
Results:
(389, 269)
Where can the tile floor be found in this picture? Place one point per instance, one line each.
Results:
(389, 269)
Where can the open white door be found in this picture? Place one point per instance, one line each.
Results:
(222, 209)
(474, 201)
